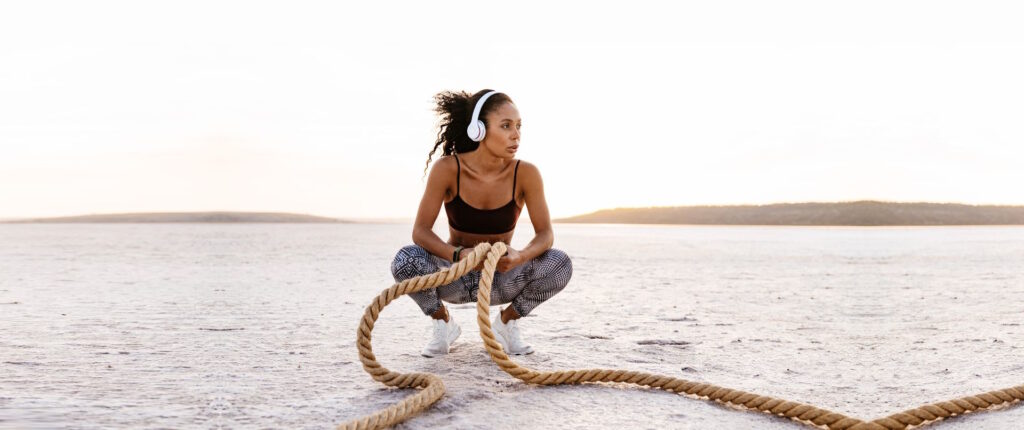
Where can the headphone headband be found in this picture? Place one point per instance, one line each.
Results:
(477, 129)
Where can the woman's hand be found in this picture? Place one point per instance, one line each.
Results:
(510, 260)
(464, 253)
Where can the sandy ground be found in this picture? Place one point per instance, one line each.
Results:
(254, 326)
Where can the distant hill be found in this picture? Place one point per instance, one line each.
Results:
(182, 217)
(861, 213)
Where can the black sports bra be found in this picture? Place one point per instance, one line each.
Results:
(463, 217)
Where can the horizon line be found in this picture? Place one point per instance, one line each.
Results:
(387, 219)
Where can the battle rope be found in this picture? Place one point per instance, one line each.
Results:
(433, 388)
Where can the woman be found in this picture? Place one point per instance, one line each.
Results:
(483, 188)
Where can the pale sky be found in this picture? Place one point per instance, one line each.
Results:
(325, 108)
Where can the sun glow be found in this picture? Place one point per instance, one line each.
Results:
(325, 108)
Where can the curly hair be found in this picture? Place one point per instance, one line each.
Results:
(455, 110)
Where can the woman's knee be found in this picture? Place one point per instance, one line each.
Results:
(558, 265)
(411, 261)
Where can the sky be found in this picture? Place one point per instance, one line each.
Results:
(326, 107)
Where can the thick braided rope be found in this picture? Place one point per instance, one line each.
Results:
(433, 389)
(937, 411)
(432, 386)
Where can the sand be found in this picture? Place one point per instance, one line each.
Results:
(253, 326)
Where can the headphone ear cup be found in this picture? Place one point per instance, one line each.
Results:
(483, 130)
(476, 131)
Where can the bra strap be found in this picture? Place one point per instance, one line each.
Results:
(458, 175)
(514, 174)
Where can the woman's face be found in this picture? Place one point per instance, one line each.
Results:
(502, 138)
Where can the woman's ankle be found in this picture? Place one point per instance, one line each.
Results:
(509, 314)
(440, 314)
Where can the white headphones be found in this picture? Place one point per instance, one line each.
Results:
(477, 129)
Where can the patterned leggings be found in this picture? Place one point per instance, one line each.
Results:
(525, 286)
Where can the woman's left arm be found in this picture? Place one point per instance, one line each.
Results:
(544, 236)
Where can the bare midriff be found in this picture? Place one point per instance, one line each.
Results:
(469, 240)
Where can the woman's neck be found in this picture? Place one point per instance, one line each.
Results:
(483, 162)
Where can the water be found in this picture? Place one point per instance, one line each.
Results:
(252, 325)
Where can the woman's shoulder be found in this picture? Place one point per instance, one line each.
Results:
(528, 173)
(526, 167)
(445, 164)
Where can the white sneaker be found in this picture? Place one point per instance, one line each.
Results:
(444, 334)
(508, 336)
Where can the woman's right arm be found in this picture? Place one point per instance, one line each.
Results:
(439, 183)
